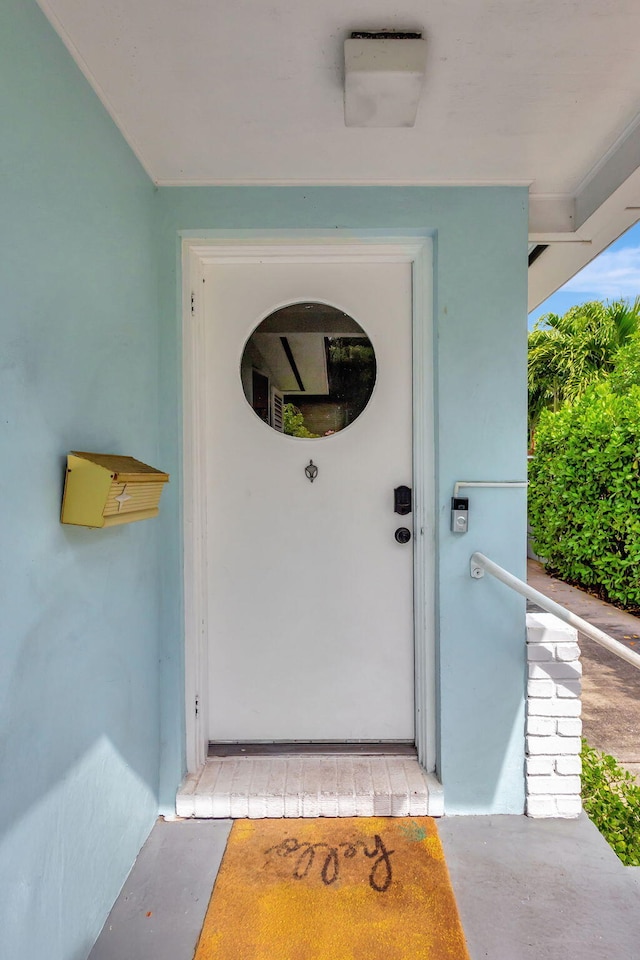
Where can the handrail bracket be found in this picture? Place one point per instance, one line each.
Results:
(477, 572)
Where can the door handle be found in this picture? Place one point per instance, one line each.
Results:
(403, 535)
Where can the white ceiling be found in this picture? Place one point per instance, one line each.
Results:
(538, 92)
(310, 356)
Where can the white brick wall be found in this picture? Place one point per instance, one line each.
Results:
(554, 726)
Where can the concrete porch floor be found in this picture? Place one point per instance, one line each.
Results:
(526, 890)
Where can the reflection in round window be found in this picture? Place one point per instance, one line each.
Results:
(308, 370)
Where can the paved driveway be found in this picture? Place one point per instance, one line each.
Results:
(610, 687)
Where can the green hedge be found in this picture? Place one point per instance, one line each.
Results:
(584, 492)
(611, 798)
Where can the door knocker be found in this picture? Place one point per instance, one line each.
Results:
(311, 471)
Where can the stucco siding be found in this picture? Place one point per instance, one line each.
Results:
(79, 607)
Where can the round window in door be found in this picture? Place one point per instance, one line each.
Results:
(308, 370)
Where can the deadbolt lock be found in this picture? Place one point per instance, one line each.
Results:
(402, 500)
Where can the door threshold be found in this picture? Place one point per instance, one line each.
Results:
(311, 785)
(295, 748)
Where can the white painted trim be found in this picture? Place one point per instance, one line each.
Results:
(285, 252)
(609, 173)
(424, 486)
(200, 250)
(558, 238)
(194, 515)
(339, 182)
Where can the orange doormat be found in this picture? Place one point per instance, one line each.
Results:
(333, 889)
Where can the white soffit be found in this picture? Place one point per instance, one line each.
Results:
(533, 92)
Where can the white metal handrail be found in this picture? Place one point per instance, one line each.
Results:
(480, 563)
(459, 484)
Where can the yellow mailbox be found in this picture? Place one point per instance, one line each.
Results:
(102, 490)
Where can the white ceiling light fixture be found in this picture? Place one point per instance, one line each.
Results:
(384, 75)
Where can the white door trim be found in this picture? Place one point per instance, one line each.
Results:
(295, 247)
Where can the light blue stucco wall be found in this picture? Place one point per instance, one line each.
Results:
(78, 608)
(480, 332)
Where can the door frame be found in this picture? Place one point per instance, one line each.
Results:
(203, 248)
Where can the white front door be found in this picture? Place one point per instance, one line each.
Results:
(310, 596)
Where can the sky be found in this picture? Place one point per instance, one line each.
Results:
(612, 275)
